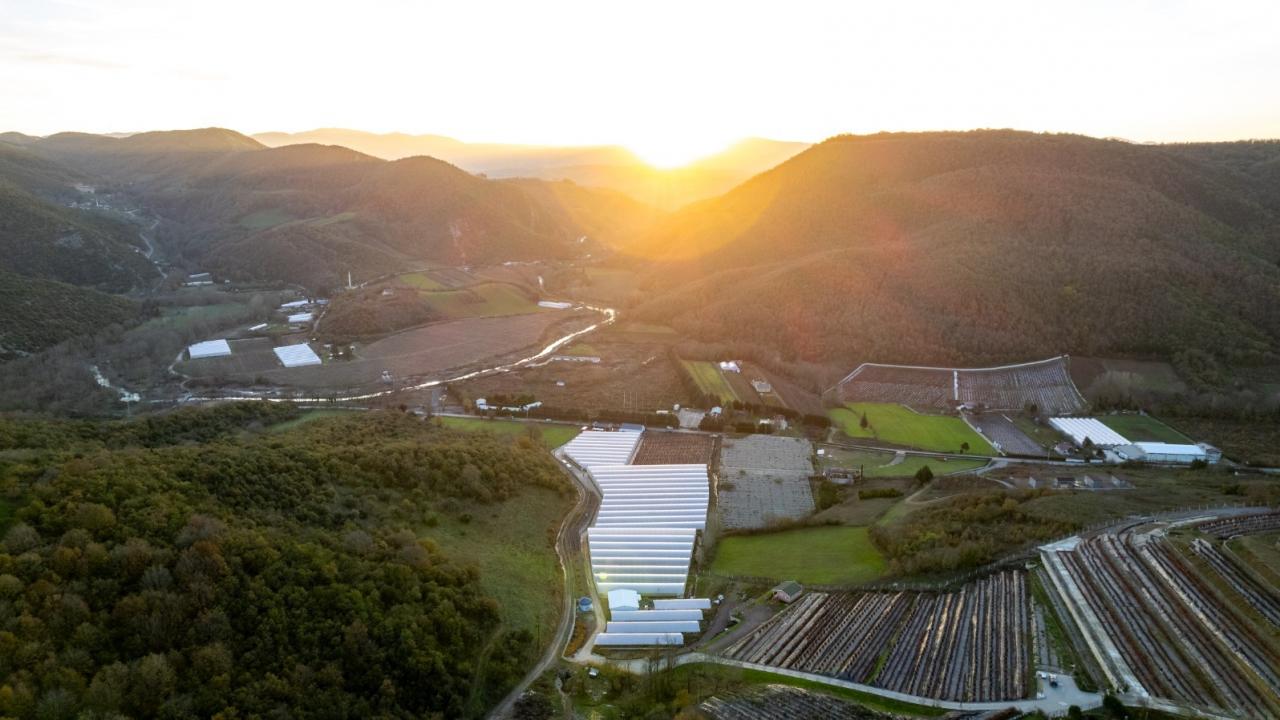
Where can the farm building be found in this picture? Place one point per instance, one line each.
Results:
(1080, 429)
(295, 304)
(1168, 453)
(209, 349)
(554, 305)
(788, 591)
(298, 355)
(624, 599)
(663, 626)
(598, 447)
(299, 318)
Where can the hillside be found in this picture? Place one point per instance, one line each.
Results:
(224, 563)
(40, 313)
(312, 213)
(977, 248)
(610, 167)
(41, 235)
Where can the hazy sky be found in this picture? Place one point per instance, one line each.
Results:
(668, 79)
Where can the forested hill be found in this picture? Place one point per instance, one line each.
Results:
(42, 235)
(312, 213)
(979, 247)
(201, 564)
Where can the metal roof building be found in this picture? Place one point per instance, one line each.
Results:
(624, 599)
(658, 626)
(655, 615)
(209, 349)
(1158, 452)
(1091, 428)
(297, 355)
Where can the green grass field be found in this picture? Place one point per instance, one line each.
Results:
(581, 349)
(876, 464)
(422, 281)
(484, 300)
(901, 426)
(824, 555)
(1143, 428)
(508, 542)
(709, 379)
(553, 435)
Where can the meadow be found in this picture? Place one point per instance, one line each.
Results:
(827, 555)
(876, 464)
(1143, 428)
(483, 300)
(710, 380)
(901, 426)
(553, 435)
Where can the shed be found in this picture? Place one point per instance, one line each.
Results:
(788, 591)
(297, 355)
(298, 318)
(624, 599)
(209, 349)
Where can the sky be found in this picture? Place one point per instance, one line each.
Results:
(670, 80)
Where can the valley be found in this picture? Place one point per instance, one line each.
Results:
(877, 392)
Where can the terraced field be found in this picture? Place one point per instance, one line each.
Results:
(968, 645)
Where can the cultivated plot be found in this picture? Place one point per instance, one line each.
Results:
(968, 645)
(764, 479)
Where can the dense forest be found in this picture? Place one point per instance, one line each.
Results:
(41, 313)
(42, 236)
(199, 564)
(978, 248)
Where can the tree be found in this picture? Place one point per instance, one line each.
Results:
(1075, 713)
(924, 475)
(863, 422)
(533, 706)
(964, 447)
(1115, 708)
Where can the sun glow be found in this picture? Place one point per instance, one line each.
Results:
(669, 153)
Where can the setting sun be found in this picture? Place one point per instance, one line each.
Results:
(669, 153)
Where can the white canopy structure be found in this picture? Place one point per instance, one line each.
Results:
(682, 604)
(602, 447)
(1091, 428)
(297, 355)
(659, 626)
(209, 349)
(655, 615)
(638, 639)
(646, 526)
(297, 318)
(624, 599)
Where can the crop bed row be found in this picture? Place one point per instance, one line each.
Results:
(1263, 599)
(968, 645)
(1242, 525)
(1174, 634)
(781, 702)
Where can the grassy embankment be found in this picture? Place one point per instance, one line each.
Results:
(553, 435)
(901, 426)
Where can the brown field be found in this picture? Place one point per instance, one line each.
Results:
(629, 377)
(249, 358)
(423, 351)
(669, 448)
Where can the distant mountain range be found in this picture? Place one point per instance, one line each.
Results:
(963, 248)
(605, 166)
(980, 247)
(312, 213)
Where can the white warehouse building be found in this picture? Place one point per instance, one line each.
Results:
(1080, 429)
(1165, 453)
